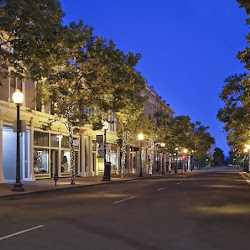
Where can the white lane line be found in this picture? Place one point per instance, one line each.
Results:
(115, 202)
(159, 189)
(21, 232)
(178, 183)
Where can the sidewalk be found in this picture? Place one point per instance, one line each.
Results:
(48, 185)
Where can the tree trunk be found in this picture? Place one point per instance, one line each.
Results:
(72, 150)
(152, 149)
(124, 152)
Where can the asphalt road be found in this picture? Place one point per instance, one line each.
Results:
(202, 210)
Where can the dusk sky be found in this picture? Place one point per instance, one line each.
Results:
(188, 47)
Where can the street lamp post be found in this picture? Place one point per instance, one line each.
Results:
(106, 176)
(18, 100)
(247, 149)
(185, 151)
(176, 159)
(140, 138)
(162, 144)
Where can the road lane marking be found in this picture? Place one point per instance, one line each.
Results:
(159, 189)
(115, 202)
(20, 232)
(178, 183)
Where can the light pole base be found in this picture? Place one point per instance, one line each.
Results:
(141, 175)
(18, 187)
(105, 178)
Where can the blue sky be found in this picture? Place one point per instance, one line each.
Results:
(188, 47)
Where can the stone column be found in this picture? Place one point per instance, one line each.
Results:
(118, 160)
(91, 172)
(128, 166)
(87, 156)
(1, 149)
(31, 151)
(82, 153)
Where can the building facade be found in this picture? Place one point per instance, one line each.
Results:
(43, 153)
(153, 105)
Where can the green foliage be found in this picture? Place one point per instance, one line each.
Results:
(30, 30)
(179, 132)
(218, 157)
(236, 96)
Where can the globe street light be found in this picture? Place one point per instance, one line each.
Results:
(140, 138)
(18, 100)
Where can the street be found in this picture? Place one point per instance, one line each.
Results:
(207, 209)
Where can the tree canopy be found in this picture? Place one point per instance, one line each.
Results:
(29, 37)
(236, 97)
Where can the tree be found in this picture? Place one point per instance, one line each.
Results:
(93, 81)
(180, 133)
(129, 119)
(236, 113)
(202, 142)
(236, 96)
(29, 37)
(218, 157)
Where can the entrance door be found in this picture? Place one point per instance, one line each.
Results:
(54, 162)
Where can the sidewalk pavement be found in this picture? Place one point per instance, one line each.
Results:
(48, 185)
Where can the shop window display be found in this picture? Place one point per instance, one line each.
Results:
(41, 161)
(65, 161)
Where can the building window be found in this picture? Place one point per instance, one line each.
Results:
(54, 140)
(41, 161)
(65, 161)
(41, 138)
(65, 142)
(93, 145)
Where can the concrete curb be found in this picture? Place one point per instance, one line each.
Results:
(245, 174)
(63, 189)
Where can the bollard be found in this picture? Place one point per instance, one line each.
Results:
(55, 179)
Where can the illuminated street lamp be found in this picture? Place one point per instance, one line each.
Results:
(162, 144)
(247, 150)
(18, 100)
(140, 138)
(185, 151)
(176, 165)
(106, 176)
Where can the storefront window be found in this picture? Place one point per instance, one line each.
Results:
(93, 145)
(76, 143)
(41, 161)
(65, 142)
(54, 140)
(113, 156)
(41, 139)
(65, 161)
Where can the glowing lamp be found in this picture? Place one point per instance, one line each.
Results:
(140, 137)
(17, 97)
